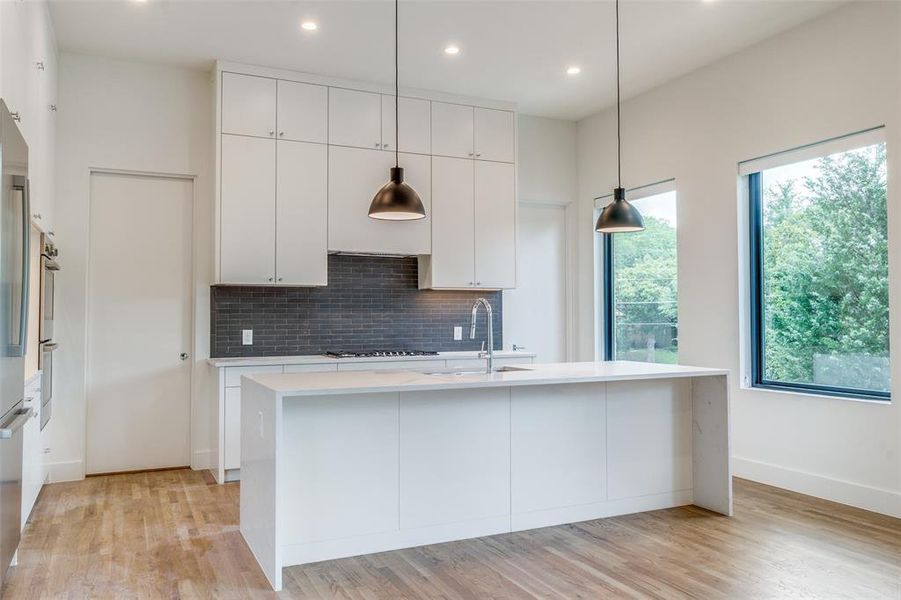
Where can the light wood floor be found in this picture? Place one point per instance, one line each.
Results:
(174, 534)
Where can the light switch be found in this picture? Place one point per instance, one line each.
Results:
(458, 333)
(247, 337)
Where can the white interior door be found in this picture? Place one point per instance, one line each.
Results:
(139, 323)
(535, 312)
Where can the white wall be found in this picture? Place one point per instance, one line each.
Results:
(836, 75)
(546, 178)
(134, 117)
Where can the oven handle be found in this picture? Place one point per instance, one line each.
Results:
(18, 422)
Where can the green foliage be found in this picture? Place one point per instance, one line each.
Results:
(825, 265)
(645, 292)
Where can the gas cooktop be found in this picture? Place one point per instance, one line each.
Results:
(379, 353)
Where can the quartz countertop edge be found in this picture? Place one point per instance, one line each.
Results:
(320, 359)
(361, 382)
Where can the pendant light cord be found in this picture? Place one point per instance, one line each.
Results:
(619, 139)
(397, 94)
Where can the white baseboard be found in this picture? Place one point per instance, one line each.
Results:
(202, 459)
(70, 470)
(887, 502)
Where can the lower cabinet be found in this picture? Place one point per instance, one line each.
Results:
(32, 453)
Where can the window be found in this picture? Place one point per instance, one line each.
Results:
(819, 268)
(640, 308)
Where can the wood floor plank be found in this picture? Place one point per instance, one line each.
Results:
(174, 534)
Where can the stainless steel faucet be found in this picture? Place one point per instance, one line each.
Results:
(472, 332)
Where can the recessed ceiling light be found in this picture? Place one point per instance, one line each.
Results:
(309, 25)
(573, 70)
(452, 50)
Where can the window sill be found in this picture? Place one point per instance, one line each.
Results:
(810, 393)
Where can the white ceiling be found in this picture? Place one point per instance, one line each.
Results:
(510, 50)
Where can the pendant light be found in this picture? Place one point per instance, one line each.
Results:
(396, 201)
(619, 216)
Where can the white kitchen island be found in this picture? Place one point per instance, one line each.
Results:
(346, 463)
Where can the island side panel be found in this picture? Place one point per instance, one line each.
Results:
(260, 440)
(649, 442)
(559, 454)
(711, 444)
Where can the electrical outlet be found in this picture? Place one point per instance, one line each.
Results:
(247, 337)
(458, 333)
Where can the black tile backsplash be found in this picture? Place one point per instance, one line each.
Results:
(370, 303)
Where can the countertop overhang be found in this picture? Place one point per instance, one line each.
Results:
(361, 382)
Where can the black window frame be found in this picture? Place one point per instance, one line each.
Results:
(756, 315)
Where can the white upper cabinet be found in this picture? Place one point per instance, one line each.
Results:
(355, 175)
(354, 118)
(415, 125)
(302, 112)
(248, 105)
(494, 135)
(247, 210)
(301, 216)
(495, 225)
(452, 130)
(453, 249)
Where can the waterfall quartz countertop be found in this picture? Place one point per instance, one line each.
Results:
(352, 382)
(321, 359)
(345, 463)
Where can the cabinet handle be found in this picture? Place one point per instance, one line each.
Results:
(378, 145)
(271, 132)
(384, 145)
(478, 154)
(281, 134)
(470, 153)
(279, 279)
(16, 116)
(52, 108)
(478, 283)
(39, 65)
(36, 216)
(270, 279)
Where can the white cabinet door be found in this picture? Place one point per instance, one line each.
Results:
(232, 428)
(452, 130)
(453, 255)
(494, 135)
(495, 225)
(301, 255)
(302, 112)
(354, 118)
(32, 456)
(355, 175)
(247, 212)
(415, 125)
(248, 105)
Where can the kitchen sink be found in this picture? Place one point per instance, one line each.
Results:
(504, 369)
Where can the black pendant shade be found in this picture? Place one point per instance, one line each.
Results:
(619, 216)
(396, 201)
